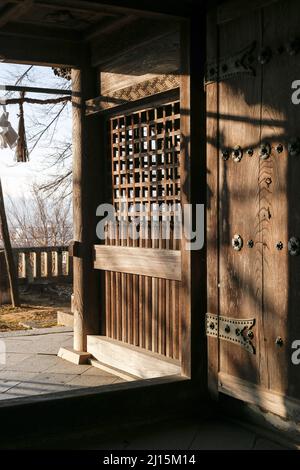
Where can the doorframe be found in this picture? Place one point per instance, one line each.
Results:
(193, 191)
(212, 213)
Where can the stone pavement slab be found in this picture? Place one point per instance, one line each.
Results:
(33, 368)
(209, 434)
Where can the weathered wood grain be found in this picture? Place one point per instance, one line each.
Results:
(158, 263)
(240, 275)
(212, 205)
(280, 201)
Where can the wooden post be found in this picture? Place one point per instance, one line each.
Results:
(48, 256)
(59, 258)
(28, 267)
(86, 196)
(193, 191)
(11, 268)
(37, 265)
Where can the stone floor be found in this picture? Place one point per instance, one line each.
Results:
(32, 367)
(206, 434)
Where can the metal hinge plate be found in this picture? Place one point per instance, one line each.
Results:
(240, 63)
(235, 330)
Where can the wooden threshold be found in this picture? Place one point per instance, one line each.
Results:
(131, 359)
(163, 264)
(277, 403)
(109, 406)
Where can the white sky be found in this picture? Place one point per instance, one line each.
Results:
(18, 177)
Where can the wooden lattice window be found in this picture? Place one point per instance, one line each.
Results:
(146, 159)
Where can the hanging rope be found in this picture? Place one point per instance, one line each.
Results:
(8, 136)
(21, 154)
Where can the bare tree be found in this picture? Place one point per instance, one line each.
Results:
(42, 123)
(39, 220)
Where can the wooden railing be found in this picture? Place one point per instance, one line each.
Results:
(43, 264)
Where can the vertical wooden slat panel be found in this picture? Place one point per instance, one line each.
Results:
(113, 290)
(107, 291)
(123, 289)
(148, 300)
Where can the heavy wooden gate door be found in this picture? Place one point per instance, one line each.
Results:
(254, 205)
(142, 278)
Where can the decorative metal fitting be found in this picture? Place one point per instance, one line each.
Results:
(235, 330)
(293, 46)
(237, 154)
(294, 147)
(225, 154)
(268, 181)
(212, 325)
(237, 242)
(250, 243)
(250, 334)
(279, 148)
(264, 56)
(279, 341)
(250, 152)
(225, 67)
(264, 150)
(279, 246)
(294, 246)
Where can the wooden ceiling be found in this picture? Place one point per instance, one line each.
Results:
(67, 20)
(62, 31)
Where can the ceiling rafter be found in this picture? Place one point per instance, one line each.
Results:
(12, 12)
(108, 27)
(112, 8)
(32, 30)
(72, 5)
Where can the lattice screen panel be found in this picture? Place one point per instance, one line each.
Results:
(145, 159)
(145, 162)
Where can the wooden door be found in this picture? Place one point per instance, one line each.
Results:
(142, 278)
(254, 204)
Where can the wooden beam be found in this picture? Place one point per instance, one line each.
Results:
(41, 32)
(109, 26)
(79, 6)
(163, 264)
(193, 191)
(139, 91)
(131, 359)
(140, 35)
(271, 401)
(12, 12)
(42, 52)
(155, 9)
(33, 89)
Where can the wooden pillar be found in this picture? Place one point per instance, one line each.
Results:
(193, 191)
(86, 196)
